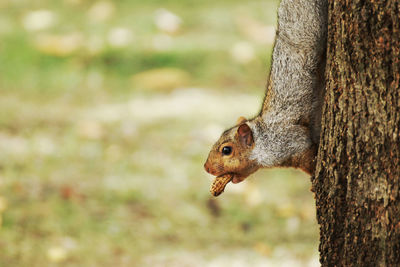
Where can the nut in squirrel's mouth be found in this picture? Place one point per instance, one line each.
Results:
(219, 183)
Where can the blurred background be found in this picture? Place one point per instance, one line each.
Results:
(108, 111)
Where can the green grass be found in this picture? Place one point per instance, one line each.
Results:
(98, 171)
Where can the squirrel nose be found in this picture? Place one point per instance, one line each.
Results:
(209, 169)
(206, 167)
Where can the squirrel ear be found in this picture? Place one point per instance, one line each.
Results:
(245, 135)
(241, 120)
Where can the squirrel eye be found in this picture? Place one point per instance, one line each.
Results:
(226, 150)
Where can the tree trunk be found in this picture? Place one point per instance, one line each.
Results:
(357, 178)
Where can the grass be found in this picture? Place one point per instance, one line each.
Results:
(97, 170)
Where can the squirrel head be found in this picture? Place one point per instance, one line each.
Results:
(231, 153)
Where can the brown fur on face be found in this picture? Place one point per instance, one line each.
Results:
(238, 163)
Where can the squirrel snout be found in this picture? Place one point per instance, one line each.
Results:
(208, 168)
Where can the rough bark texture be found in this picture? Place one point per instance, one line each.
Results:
(357, 179)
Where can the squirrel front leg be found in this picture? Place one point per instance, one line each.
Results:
(285, 133)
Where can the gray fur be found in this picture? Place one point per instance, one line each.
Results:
(290, 124)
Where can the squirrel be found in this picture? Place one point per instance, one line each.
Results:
(286, 131)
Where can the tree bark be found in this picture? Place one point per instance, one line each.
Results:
(357, 177)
